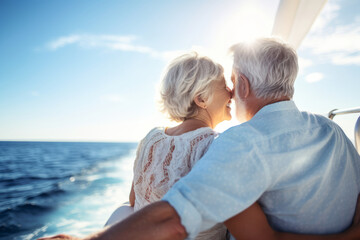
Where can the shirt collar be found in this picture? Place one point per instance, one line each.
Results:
(278, 106)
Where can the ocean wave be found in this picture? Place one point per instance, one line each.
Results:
(47, 194)
(42, 183)
(20, 218)
(7, 229)
(25, 208)
(24, 179)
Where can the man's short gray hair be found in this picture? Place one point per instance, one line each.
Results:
(185, 78)
(270, 65)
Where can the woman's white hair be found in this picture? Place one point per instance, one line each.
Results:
(187, 77)
(270, 65)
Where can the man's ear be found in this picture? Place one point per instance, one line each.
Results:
(243, 86)
(200, 102)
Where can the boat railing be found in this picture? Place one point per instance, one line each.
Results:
(335, 112)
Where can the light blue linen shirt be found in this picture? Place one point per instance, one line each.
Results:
(301, 167)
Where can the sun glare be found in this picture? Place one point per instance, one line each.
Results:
(245, 22)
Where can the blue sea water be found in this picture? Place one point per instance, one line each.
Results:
(48, 188)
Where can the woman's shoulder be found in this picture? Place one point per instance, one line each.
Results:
(156, 131)
(154, 135)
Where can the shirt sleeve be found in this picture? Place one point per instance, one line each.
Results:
(228, 179)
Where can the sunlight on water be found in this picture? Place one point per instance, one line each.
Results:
(88, 210)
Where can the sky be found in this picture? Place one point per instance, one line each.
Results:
(89, 70)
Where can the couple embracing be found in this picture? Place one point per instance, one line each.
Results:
(281, 170)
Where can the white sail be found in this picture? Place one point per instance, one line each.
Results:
(294, 19)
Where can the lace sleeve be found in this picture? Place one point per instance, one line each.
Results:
(140, 148)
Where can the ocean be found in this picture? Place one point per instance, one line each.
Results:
(48, 188)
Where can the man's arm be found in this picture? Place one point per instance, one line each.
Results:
(160, 221)
(252, 224)
(157, 221)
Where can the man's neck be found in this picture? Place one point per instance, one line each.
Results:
(255, 104)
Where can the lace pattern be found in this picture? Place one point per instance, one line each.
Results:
(161, 160)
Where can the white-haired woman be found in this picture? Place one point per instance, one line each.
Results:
(193, 93)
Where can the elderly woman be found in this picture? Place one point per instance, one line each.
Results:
(194, 93)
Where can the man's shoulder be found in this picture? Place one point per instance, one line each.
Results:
(319, 120)
(319, 117)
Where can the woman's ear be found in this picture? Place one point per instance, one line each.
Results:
(200, 102)
(243, 86)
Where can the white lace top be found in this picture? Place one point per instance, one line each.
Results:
(161, 160)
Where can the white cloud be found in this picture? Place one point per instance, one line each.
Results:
(112, 42)
(328, 14)
(120, 43)
(341, 39)
(63, 41)
(88, 41)
(338, 44)
(343, 59)
(339, 47)
(116, 38)
(314, 77)
(134, 48)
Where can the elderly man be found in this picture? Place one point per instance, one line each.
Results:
(300, 167)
